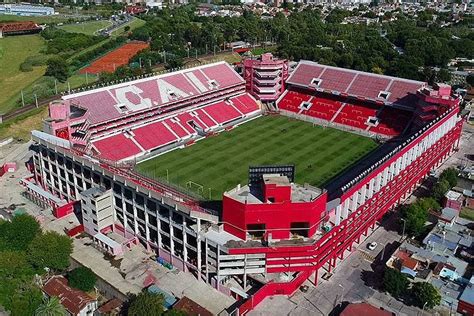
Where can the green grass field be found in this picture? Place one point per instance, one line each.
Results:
(15, 50)
(221, 162)
(88, 28)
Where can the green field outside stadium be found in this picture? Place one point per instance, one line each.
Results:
(219, 163)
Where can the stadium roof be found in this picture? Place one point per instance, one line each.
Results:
(120, 100)
(369, 86)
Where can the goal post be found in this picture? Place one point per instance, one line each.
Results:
(193, 186)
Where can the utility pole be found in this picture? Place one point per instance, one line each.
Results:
(403, 230)
(36, 100)
(22, 98)
(56, 85)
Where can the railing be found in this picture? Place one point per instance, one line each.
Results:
(273, 288)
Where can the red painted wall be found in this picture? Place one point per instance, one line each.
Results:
(64, 210)
(277, 217)
(277, 192)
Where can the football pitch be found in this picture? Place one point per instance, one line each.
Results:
(217, 164)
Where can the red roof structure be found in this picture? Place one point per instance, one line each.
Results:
(73, 300)
(191, 308)
(11, 28)
(365, 309)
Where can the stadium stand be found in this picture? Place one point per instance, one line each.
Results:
(177, 128)
(222, 112)
(154, 135)
(377, 104)
(117, 147)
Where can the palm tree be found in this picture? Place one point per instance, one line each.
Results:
(50, 307)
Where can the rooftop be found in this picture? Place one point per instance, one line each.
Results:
(386, 89)
(94, 192)
(191, 308)
(73, 300)
(468, 295)
(253, 195)
(357, 309)
(119, 100)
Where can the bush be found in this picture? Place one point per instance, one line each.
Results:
(58, 68)
(26, 67)
(82, 278)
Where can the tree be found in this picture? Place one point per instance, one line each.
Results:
(13, 264)
(395, 282)
(57, 67)
(126, 28)
(425, 293)
(50, 250)
(82, 278)
(415, 217)
(25, 300)
(146, 304)
(18, 234)
(450, 175)
(440, 189)
(51, 307)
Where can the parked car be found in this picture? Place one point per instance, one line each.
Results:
(372, 245)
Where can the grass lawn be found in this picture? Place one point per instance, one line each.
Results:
(88, 28)
(13, 51)
(467, 213)
(20, 128)
(260, 50)
(221, 162)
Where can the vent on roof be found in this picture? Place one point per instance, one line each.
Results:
(122, 108)
(171, 93)
(384, 95)
(316, 82)
(213, 84)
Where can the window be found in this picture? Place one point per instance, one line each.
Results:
(300, 229)
(256, 230)
(305, 105)
(384, 95)
(122, 108)
(151, 205)
(316, 82)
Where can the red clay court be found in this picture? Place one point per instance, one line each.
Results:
(116, 58)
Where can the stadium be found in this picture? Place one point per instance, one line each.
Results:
(251, 197)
